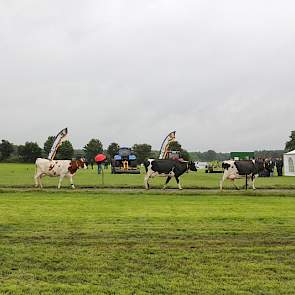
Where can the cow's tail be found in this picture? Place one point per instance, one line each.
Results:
(36, 165)
(146, 164)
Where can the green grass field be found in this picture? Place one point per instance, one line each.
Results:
(94, 243)
(21, 175)
(107, 241)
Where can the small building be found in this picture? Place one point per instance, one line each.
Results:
(242, 155)
(289, 163)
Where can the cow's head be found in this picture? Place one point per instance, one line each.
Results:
(225, 165)
(82, 163)
(192, 166)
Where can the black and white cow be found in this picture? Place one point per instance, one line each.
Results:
(168, 168)
(239, 169)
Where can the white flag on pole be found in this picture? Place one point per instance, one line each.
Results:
(59, 139)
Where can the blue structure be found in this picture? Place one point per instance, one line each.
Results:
(125, 162)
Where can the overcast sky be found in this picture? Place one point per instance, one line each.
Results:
(221, 73)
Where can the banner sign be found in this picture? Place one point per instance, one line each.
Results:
(59, 139)
(165, 145)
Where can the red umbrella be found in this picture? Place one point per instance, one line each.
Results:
(100, 158)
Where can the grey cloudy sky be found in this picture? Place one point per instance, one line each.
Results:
(221, 73)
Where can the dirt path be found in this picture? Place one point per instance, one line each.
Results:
(156, 191)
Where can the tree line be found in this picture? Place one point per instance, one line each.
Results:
(28, 152)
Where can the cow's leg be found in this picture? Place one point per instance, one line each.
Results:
(236, 187)
(37, 178)
(222, 181)
(60, 180)
(146, 181)
(167, 181)
(72, 183)
(253, 182)
(178, 182)
(40, 180)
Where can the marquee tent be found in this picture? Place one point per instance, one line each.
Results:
(289, 163)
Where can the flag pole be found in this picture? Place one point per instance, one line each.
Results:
(102, 175)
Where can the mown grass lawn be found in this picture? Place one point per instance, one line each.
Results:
(130, 243)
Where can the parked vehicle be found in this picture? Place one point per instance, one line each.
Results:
(125, 162)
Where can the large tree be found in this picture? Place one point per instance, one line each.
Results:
(65, 151)
(154, 154)
(175, 146)
(290, 145)
(29, 152)
(92, 148)
(6, 149)
(142, 151)
(184, 154)
(47, 145)
(210, 155)
(113, 149)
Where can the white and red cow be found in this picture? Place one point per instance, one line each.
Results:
(242, 168)
(168, 168)
(57, 168)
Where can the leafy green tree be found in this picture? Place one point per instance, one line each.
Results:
(196, 156)
(269, 154)
(209, 156)
(78, 154)
(184, 154)
(47, 145)
(175, 146)
(6, 149)
(142, 152)
(113, 149)
(290, 145)
(65, 151)
(29, 152)
(154, 154)
(92, 148)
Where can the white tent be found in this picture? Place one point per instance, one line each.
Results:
(289, 163)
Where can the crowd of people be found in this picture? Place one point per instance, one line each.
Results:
(271, 165)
